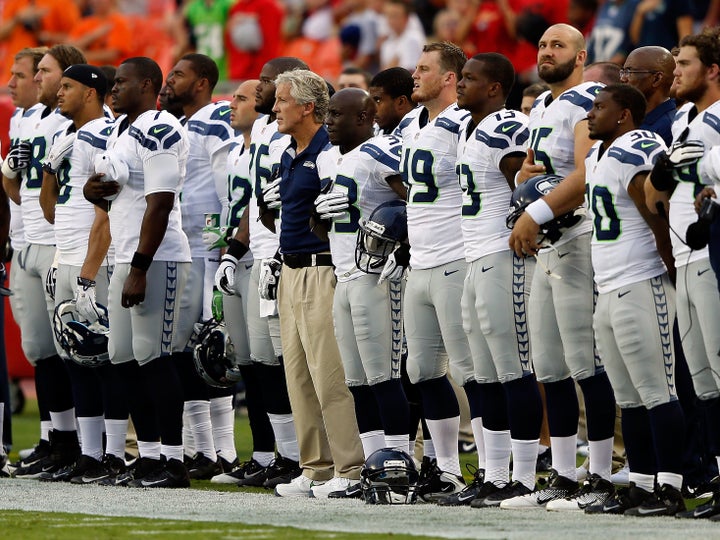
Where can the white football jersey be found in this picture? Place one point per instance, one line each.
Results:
(239, 186)
(266, 148)
(434, 195)
(362, 174)
(74, 215)
(38, 129)
(552, 135)
(205, 188)
(623, 246)
(17, 233)
(154, 133)
(704, 127)
(486, 193)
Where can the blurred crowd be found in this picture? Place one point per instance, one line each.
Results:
(332, 35)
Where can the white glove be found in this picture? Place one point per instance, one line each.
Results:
(60, 149)
(333, 205)
(225, 275)
(269, 278)
(396, 264)
(17, 160)
(216, 237)
(682, 154)
(271, 195)
(51, 280)
(85, 303)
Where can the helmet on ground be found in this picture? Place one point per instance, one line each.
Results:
(530, 191)
(213, 354)
(380, 235)
(389, 476)
(83, 341)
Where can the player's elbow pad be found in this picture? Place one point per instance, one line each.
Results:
(162, 173)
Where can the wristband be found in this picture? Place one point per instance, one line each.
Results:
(540, 211)
(141, 261)
(85, 282)
(7, 171)
(236, 248)
(515, 180)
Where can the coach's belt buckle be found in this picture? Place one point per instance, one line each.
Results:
(313, 259)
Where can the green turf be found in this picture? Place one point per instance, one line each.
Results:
(19, 525)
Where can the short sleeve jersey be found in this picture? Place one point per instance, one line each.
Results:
(486, 193)
(210, 136)
(552, 135)
(434, 195)
(704, 127)
(38, 129)
(623, 246)
(154, 133)
(239, 186)
(74, 215)
(362, 175)
(266, 148)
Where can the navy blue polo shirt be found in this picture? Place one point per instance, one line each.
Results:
(660, 120)
(299, 187)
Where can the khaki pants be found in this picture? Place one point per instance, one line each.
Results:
(321, 403)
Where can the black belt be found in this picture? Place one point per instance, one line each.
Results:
(303, 260)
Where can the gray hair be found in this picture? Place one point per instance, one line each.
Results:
(307, 87)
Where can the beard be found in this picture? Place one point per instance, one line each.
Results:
(693, 94)
(557, 73)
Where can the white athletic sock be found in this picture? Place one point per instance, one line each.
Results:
(45, 428)
(717, 458)
(263, 458)
(63, 420)
(524, 461)
(429, 449)
(673, 479)
(497, 452)
(115, 435)
(477, 429)
(91, 429)
(371, 441)
(541, 448)
(172, 452)
(600, 454)
(283, 427)
(222, 417)
(444, 434)
(643, 481)
(198, 415)
(150, 450)
(2, 422)
(401, 442)
(564, 456)
(187, 435)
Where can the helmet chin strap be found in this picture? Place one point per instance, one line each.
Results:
(547, 244)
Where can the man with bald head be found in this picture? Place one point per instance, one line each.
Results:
(561, 310)
(364, 172)
(650, 70)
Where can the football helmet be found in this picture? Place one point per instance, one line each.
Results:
(389, 476)
(84, 342)
(380, 235)
(532, 190)
(213, 356)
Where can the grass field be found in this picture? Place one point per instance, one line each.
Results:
(30, 509)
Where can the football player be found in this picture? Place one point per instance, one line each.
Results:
(24, 95)
(191, 83)
(698, 304)
(635, 306)
(492, 150)
(330, 449)
(142, 173)
(560, 310)
(82, 235)
(432, 314)
(391, 89)
(266, 373)
(242, 117)
(23, 179)
(364, 172)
